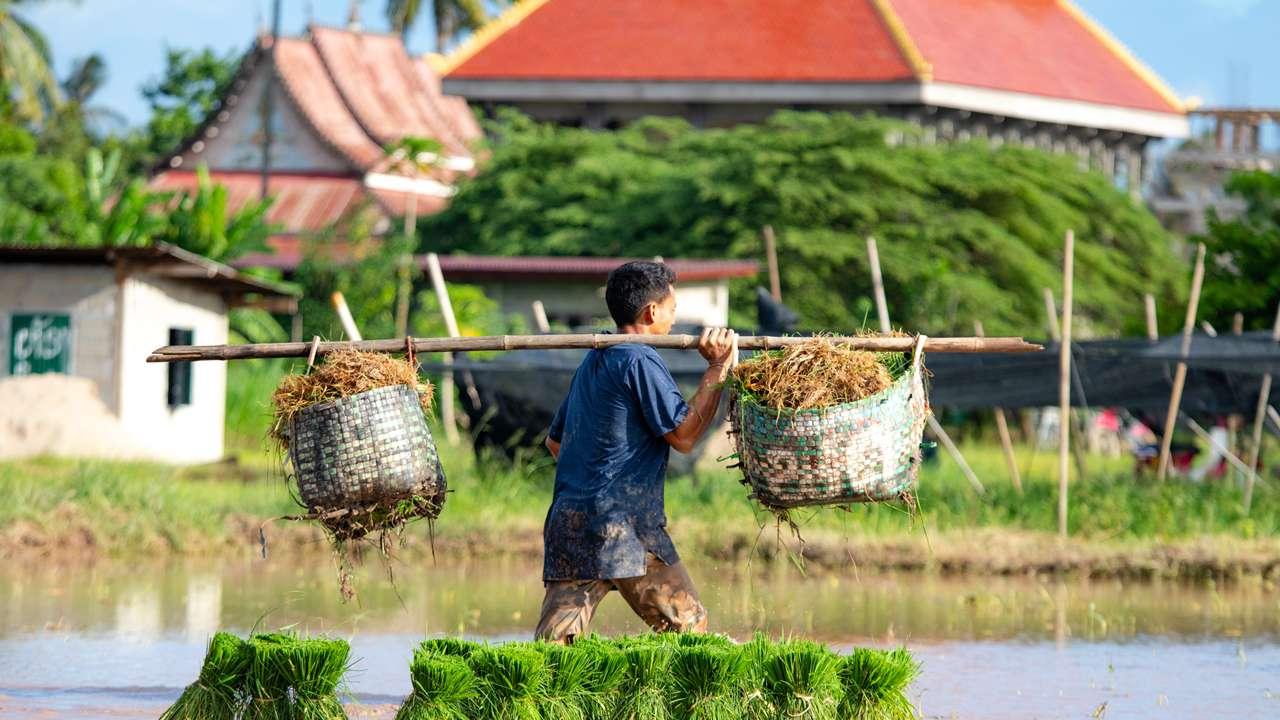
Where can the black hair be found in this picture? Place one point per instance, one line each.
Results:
(633, 286)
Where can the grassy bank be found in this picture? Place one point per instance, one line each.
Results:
(1118, 525)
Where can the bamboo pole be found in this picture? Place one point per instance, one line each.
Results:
(1180, 374)
(344, 317)
(1264, 402)
(877, 285)
(882, 310)
(1051, 313)
(540, 317)
(771, 256)
(1064, 379)
(1002, 427)
(447, 413)
(1226, 452)
(1153, 330)
(186, 353)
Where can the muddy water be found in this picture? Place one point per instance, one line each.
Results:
(120, 640)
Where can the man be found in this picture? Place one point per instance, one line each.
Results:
(606, 528)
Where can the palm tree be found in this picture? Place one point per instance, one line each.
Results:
(26, 75)
(451, 16)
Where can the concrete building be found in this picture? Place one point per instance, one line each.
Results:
(1193, 177)
(98, 312)
(306, 119)
(1032, 72)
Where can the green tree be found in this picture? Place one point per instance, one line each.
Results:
(27, 84)
(189, 89)
(966, 231)
(451, 17)
(1245, 276)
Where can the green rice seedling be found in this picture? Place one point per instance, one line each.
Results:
(512, 682)
(297, 678)
(457, 647)
(642, 694)
(801, 679)
(706, 683)
(268, 691)
(608, 668)
(755, 703)
(875, 684)
(570, 678)
(218, 694)
(443, 687)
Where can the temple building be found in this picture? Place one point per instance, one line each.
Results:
(1033, 72)
(307, 119)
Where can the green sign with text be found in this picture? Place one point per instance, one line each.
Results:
(39, 343)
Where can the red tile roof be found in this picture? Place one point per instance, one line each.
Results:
(1029, 46)
(384, 88)
(489, 267)
(704, 40)
(312, 89)
(303, 203)
(288, 253)
(1041, 47)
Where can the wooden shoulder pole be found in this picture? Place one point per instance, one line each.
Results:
(1264, 401)
(1064, 380)
(1180, 374)
(1002, 427)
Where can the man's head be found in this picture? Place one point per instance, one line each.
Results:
(641, 295)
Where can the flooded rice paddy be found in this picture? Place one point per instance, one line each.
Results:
(113, 639)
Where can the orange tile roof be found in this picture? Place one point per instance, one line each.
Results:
(1039, 47)
(312, 90)
(1028, 46)
(821, 40)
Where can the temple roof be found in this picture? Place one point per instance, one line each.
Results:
(1043, 48)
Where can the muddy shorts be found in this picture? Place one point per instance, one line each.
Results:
(664, 597)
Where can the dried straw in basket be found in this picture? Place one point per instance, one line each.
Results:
(815, 374)
(342, 374)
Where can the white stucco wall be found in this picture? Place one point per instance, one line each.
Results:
(186, 434)
(87, 293)
(700, 303)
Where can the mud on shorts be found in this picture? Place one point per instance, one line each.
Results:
(664, 597)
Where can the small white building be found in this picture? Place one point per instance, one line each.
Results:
(98, 312)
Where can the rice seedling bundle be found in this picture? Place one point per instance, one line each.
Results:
(818, 423)
(570, 689)
(292, 678)
(512, 682)
(456, 647)
(801, 679)
(444, 687)
(707, 683)
(218, 694)
(642, 694)
(875, 684)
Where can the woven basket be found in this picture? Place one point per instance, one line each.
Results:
(864, 451)
(369, 448)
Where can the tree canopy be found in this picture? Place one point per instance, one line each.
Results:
(966, 231)
(1245, 274)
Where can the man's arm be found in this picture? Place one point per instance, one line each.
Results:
(554, 447)
(716, 345)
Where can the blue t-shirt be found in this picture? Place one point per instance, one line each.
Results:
(607, 511)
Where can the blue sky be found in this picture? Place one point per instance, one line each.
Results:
(1218, 50)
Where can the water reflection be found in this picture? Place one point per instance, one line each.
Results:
(500, 596)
